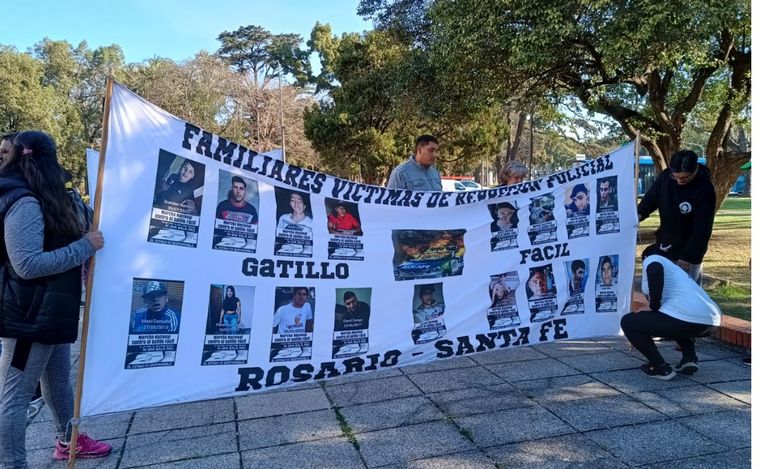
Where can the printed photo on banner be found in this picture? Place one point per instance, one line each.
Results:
(351, 330)
(543, 226)
(503, 226)
(154, 323)
(607, 220)
(503, 310)
(345, 228)
(423, 254)
(577, 277)
(177, 199)
(292, 324)
(541, 290)
(428, 307)
(578, 210)
(607, 284)
(237, 214)
(228, 325)
(293, 235)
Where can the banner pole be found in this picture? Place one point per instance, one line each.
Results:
(90, 275)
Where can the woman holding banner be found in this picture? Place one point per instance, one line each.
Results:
(43, 254)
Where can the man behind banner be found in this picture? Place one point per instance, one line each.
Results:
(295, 316)
(236, 208)
(156, 317)
(418, 173)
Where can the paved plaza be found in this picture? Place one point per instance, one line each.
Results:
(580, 403)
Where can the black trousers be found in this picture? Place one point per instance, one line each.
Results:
(641, 327)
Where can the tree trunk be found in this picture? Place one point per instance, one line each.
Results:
(725, 168)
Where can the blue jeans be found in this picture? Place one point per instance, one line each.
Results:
(232, 321)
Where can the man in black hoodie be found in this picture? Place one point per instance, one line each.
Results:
(685, 196)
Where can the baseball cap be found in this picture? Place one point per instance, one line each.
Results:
(154, 289)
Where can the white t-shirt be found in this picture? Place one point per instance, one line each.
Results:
(682, 298)
(286, 223)
(288, 318)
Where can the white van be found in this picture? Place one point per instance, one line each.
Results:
(450, 185)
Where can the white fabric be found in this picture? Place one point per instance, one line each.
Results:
(185, 259)
(288, 318)
(682, 298)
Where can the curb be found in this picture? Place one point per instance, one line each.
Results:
(734, 331)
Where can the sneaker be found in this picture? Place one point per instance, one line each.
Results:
(86, 448)
(34, 408)
(687, 367)
(663, 372)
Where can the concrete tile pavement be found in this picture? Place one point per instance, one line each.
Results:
(581, 403)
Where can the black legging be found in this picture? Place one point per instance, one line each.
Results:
(640, 327)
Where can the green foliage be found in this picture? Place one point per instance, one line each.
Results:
(382, 94)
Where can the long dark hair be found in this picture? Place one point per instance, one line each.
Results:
(36, 158)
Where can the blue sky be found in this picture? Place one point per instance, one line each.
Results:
(165, 28)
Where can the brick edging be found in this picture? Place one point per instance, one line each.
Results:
(734, 331)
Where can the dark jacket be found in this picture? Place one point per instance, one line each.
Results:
(686, 215)
(45, 309)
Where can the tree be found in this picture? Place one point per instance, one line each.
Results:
(381, 94)
(648, 65)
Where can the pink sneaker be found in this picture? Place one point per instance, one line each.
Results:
(86, 448)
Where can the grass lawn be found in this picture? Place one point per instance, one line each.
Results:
(727, 256)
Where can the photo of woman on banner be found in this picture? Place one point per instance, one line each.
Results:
(427, 253)
(155, 322)
(177, 200)
(237, 216)
(428, 307)
(352, 310)
(293, 234)
(577, 277)
(503, 226)
(503, 310)
(228, 324)
(292, 323)
(543, 227)
(606, 284)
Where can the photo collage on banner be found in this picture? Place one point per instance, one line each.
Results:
(607, 217)
(292, 324)
(237, 215)
(607, 285)
(177, 198)
(542, 293)
(502, 293)
(351, 331)
(577, 277)
(154, 323)
(294, 235)
(428, 307)
(421, 254)
(228, 325)
(543, 226)
(345, 228)
(503, 226)
(578, 210)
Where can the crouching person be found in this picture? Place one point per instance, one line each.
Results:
(678, 309)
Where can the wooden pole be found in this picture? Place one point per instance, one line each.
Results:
(90, 275)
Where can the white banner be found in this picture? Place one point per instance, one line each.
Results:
(227, 272)
(92, 158)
